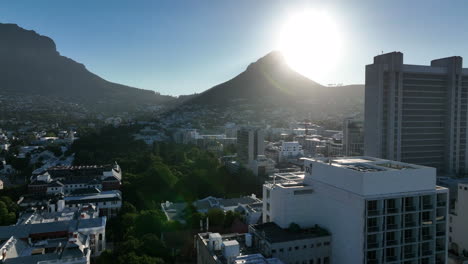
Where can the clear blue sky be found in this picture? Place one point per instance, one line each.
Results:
(183, 46)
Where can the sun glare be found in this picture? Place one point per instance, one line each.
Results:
(310, 42)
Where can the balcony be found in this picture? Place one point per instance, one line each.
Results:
(440, 248)
(427, 222)
(410, 224)
(410, 239)
(427, 206)
(427, 237)
(372, 245)
(374, 212)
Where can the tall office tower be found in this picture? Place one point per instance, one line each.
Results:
(250, 144)
(417, 114)
(377, 211)
(353, 137)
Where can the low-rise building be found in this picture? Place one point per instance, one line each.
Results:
(35, 230)
(73, 250)
(290, 150)
(312, 245)
(174, 211)
(214, 248)
(107, 202)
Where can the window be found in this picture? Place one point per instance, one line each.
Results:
(326, 260)
(312, 246)
(305, 246)
(319, 261)
(268, 206)
(319, 244)
(290, 248)
(273, 251)
(311, 261)
(281, 250)
(326, 243)
(267, 194)
(296, 247)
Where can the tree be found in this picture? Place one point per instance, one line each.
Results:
(149, 221)
(216, 217)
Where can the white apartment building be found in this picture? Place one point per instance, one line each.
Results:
(458, 227)
(417, 114)
(290, 150)
(377, 211)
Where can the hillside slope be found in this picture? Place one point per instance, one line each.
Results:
(31, 65)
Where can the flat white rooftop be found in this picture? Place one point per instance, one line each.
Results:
(368, 164)
(368, 176)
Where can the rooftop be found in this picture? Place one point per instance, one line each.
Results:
(368, 164)
(102, 196)
(275, 234)
(245, 252)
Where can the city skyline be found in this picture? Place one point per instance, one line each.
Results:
(202, 45)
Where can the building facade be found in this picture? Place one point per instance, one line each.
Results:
(458, 227)
(250, 144)
(353, 137)
(417, 114)
(378, 211)
(290, 150)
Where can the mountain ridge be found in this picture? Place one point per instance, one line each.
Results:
(32, 65)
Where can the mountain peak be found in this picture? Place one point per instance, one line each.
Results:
(31, 65)
(16, 39)
(272, 59)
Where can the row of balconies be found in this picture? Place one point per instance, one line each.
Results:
(405, 209)
(406, 256)
(405, 225)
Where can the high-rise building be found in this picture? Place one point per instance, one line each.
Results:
(417, 114)
(458, 228)
(377, 211)
(353, 137)
(250, 144)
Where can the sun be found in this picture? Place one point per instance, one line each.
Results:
(310, 42)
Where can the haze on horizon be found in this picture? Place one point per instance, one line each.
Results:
(185, 47)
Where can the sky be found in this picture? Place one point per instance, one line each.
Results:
(180, 47)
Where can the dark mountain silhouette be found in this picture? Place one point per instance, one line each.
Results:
(271, 81)
(31, 65)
